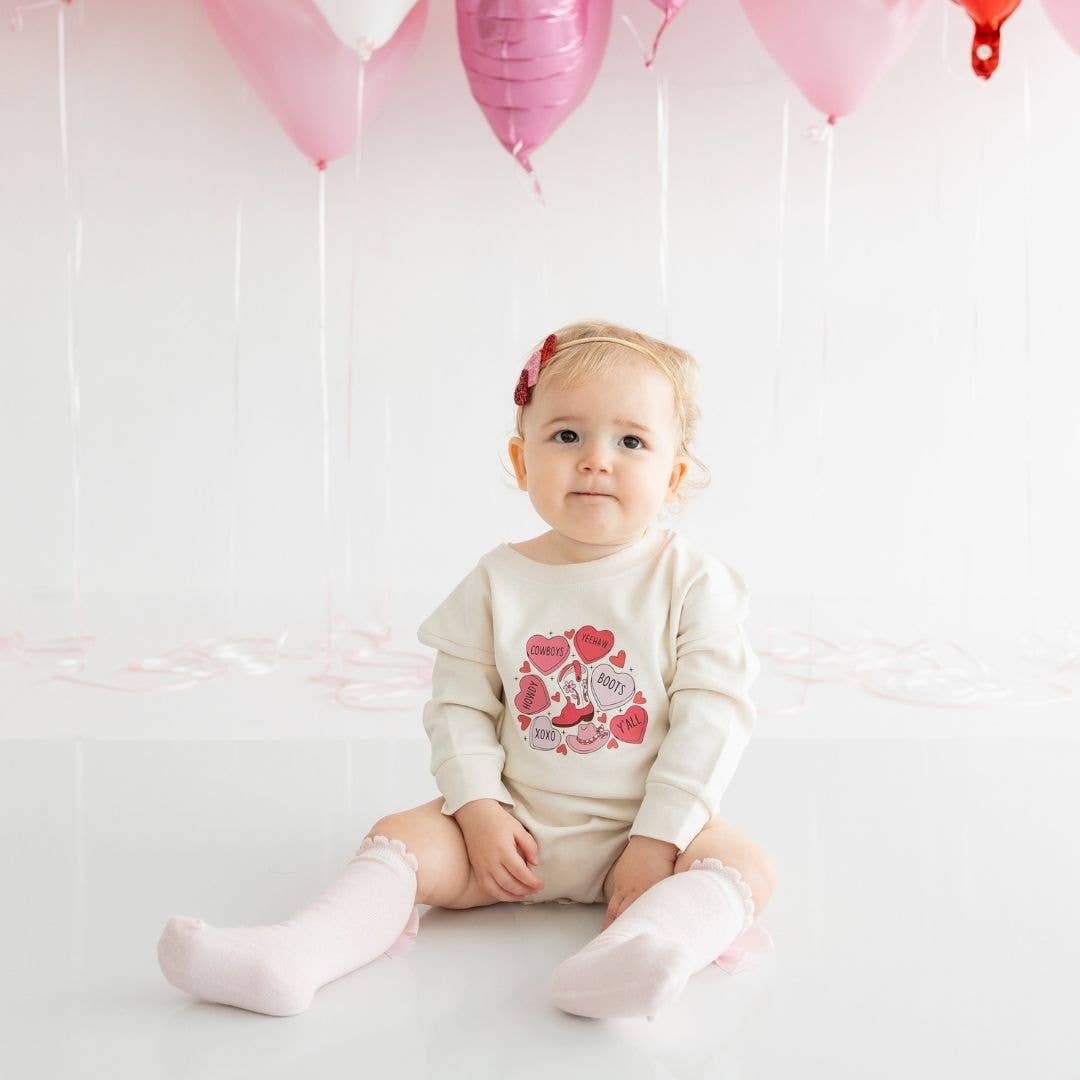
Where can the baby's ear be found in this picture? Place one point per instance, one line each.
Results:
(516, 450)
(678, 474)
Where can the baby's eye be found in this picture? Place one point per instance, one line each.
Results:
(640, 444)
(565, 431)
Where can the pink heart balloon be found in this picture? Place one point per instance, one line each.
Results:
(836, 50)
(670, 8)
(303, 72)
(530, 63)
(1065, 15)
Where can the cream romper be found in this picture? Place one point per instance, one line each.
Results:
(595, 700)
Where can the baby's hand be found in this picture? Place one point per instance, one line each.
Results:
(643, 863)
(496, 842)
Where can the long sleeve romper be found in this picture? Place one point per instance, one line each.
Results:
(595, 700)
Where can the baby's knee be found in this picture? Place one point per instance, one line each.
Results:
(761, 874)
(414, 827)
(757, 868)
(391, 825)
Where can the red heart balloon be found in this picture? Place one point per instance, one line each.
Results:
(988, 16)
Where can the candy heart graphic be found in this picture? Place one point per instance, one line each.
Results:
(619, 658)
(532, 697)
(569, 634)
(543, 736)
(592, 644)
(613, 745)
(561, 748)
(639, 698)
(587, 738)
(524, 721)
(525, 667)
(556, 696)
(611, 687)
(630, 725)
(547, 653)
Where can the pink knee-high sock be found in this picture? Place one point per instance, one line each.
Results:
(367, 910)
(643, 960)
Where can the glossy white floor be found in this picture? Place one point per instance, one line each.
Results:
(925, 918)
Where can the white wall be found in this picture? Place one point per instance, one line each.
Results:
(929, 387)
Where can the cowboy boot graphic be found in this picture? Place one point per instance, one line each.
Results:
(573, 681)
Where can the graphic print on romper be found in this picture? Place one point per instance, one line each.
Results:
(594, 679)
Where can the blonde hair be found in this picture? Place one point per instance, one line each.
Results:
(574, 363)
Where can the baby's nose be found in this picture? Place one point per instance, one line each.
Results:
(596, 462)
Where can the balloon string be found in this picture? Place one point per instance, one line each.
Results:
(361, 65)
(325, 399)
(388, 515)
(61, 74)
(193, 664)
(346, 502)
(936, 674)
(1028, 368)
(401, 673)
(67, 653)
(374, 676)
(17, 20)
(815, 496)
(363, 51)
(830, 142)
(781, 216)
(73, 266)
(945, 14)
(973, 368)
(662, 161)
(238, 247)
(637, 37)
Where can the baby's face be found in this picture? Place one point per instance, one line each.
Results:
(614, 436)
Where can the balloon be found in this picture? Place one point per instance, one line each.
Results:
(1065, 15)
(530, 63)
(304, 74)
(670, 8)
(836, 50)
(988, 15)
(364, 25)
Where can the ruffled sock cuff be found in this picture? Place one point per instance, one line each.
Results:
(381, 846)
(736, 879)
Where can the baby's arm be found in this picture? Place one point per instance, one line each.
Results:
(460, 719)
(467, 761)
(710, 712)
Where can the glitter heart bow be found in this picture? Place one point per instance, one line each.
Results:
(531, 371)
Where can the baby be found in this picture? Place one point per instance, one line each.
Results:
(589, 706)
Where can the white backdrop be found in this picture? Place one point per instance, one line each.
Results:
(947, 402)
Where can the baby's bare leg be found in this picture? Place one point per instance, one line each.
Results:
(445, 878)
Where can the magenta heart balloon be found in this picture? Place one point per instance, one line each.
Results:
(303, 72)
(530, 63)
(670, 8)
(836, 50)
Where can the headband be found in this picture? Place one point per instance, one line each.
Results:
(530, 373)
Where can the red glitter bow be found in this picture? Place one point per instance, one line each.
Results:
(531, 371)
